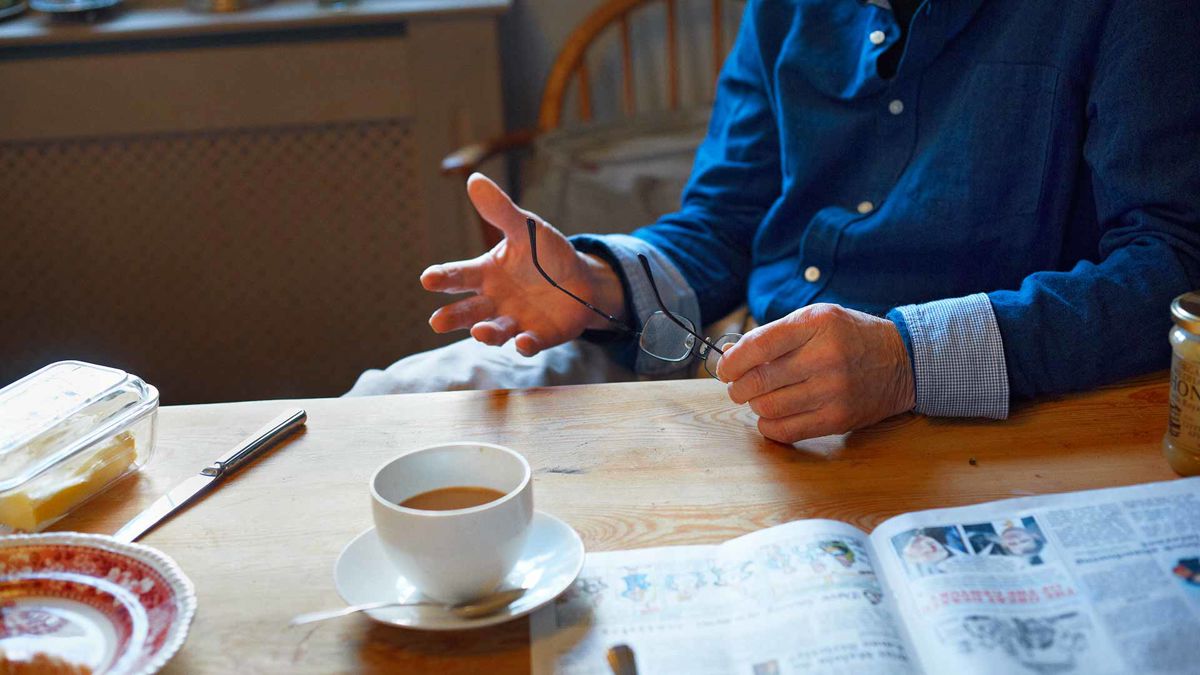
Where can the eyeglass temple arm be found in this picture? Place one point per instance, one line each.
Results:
(533, 251)
(663, 306)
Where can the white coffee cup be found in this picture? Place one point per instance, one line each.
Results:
(463, 554)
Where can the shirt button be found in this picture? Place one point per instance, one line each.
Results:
(812, 274)
(865, 207)
(896, 107)
(877, 37)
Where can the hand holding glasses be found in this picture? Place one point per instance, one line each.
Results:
(665, 335)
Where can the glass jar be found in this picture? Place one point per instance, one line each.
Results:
(1182, 442)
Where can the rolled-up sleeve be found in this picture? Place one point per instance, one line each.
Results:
(621, 252)
(957, 356)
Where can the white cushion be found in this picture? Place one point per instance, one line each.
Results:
(613, 177)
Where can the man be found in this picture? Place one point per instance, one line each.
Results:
(934, 207)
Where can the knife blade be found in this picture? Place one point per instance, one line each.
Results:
(191, 488)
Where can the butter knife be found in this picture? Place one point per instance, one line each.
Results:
(193, 487)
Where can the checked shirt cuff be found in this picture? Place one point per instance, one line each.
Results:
(957, 357)
(620, 251)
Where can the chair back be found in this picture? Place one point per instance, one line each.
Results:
(571, 66)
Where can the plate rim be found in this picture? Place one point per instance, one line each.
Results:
(180, 584)
(470, 624)
(72, 7)
(14, 9)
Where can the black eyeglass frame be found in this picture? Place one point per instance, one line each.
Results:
(624, 328)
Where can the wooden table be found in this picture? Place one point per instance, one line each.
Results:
(628, 465)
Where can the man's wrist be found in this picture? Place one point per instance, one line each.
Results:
(637, 298)
(607, 291)
(905, 383)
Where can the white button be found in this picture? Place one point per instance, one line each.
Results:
(877, 37)
(896, 107)
(812, 274)
(865, 207)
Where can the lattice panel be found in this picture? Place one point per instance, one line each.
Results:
(218, 266)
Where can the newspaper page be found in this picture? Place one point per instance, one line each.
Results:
(1092, 582)
(797, 598)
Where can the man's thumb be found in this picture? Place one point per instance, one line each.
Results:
(495, 206)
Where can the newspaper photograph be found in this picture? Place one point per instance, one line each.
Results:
(1095, 582)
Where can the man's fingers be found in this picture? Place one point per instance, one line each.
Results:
(495, 206)
(454, 277)
(764, 344)
(761, 379)
(529, 343)
(462, 314)
(791, 400)
(495, 332)
(800, 427)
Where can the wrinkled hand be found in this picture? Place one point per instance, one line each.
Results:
(823, 369)
(511, 299)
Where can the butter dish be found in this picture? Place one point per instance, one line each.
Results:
(67, 432)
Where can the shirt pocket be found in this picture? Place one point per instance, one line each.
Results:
(997, 139)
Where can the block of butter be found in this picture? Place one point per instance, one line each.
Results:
(53, 494)
(67, 432)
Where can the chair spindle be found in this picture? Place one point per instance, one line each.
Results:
(630, 104)
(585, 92)
(718, 39)
(672, 56)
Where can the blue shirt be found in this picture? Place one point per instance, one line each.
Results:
(1022, 198)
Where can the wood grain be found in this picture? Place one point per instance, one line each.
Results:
(628, 465)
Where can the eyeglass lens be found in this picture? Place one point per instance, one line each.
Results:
(712, 357)
(664, 339)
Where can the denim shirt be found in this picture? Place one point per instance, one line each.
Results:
(1022, 198)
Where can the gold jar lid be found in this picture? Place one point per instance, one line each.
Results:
(1185, 311)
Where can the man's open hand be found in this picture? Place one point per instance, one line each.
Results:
(823, 369)
(511, 300)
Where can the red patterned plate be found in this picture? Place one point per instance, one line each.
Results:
(88, 603)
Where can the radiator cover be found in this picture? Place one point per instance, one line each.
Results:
(236, 264)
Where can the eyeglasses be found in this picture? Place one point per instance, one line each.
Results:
(665, 335)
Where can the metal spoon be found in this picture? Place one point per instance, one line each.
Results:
(485, 606)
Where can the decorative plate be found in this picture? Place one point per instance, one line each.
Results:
(71, 6)
(8, 9)
(86, 603)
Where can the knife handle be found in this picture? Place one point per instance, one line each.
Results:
(260, 440)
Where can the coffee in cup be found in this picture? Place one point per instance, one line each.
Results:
(453, 518)
(451, 498)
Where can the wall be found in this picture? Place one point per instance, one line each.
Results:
(531, 33)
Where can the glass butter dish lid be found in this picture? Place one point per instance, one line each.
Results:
(67, 432)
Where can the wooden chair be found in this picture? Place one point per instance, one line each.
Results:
(571, 65)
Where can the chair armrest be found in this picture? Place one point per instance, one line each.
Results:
(465, 160)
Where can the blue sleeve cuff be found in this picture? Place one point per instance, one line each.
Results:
(621, 250)
(957, 356)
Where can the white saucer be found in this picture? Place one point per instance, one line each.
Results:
(549, 564)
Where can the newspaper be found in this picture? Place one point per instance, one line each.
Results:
(1106, 581)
